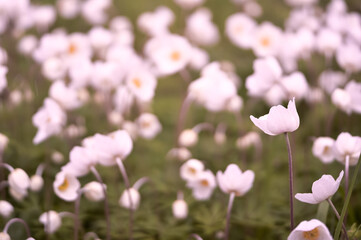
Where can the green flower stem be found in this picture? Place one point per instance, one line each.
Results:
(337, 215)
(345, 205)
(290, 169)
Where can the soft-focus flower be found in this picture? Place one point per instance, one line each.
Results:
(157, 22)
(328, 41)
(239, 29)
(349, 146)
(148, 125)
(142, 84)
(130, 199)
(67, 97)
(200, 58)
(203, 186)
(27, 44)
(51, 221)
(323, 149)
(49, 120)
(191, 169)
(36, 183)
(68, 8)
(248, 140)
(296, 85)
(93, 191)
(6, 209)
(330, 80)
(188, 4)
(267, 40)
(4, 140)
(180, 209)
(94, 11)
(322, 189)
(353, 89)
(4, 236)
(3, 80)
(66, 186)
(234, 181)
(348, 57)
(279, 119)
(19, 180)
(313, 229)
(188, 138)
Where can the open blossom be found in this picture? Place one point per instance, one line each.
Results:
(311, 230)
(81, 160)
(234, 181)
(51, 221)
(66, 186)
(142, 84)
(267, 39)
(323, 149)
(322, 189)
(49, 120)
(191, 169)
(240, 29)
(67, 97)
(157, 22)
(148, 125)
(349, 98)
(203, 186)
(169, 53)
(279, 119)
(349, 146)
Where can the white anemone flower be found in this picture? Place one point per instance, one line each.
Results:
(279, 119)
(81, 160)
(349, 146)
(93, 191)
(310, 230)
(19, 180)
(267, 40)
(6, 209)
(142, 84)
(148, 125)
(191, 169)
(49, 119)
(51, 221)
(322, 189)
(130, 199)
(3, 80)
(68, 97)
(203, 186)
(323, 149)
(240, 29)
(66, 186)
(234, 181)
(156, 23)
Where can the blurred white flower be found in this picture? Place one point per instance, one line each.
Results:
(49, 120)
(313, 229)
(203, 186)
(199, 59)
(51, 221)
(180, 209)
(67, 97)
(296, 85)
(342, 99)
(188, 138)
(54, 68)
(191, 169)
(4, 236)
(248, 140)
(347, 145)
(279, 119)
(43, 16)
(148, 125)
(353, 88)
(94, 11)
(105, 76)
(27, 44)
(267, 40)
(323, 149)
(142, 84)
(6, 209)
(93, 191)
(200, 29)
(234, 181)
(298, 3)
(330, 80)
(4, 140)
(19, 181)
(36, 183)
(3, 80)
(327, 41)
(188, 4)
(240, 29)
(68, 8)
(100, 38)
(66, 186)
(50, 45)
(130, 199)
(322, 189)
(57, 157)
(156, 23)
(348, 56)
(169, 53)
(81, 160)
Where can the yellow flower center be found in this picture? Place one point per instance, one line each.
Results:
(72, 48)
(64, 185)
(265, 41)
(326, 150)
(311, 235)
(175, 56)
(137, 82)
(204, 183)
(192, 170)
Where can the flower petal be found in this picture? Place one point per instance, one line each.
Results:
(306, 197)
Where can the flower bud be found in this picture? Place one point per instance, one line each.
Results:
(180, 209)
(4, 236)
(130, 199)
(36, 183)
(188, 138)
(51, 221)
(93, 191)
(57, 157)
(19, 180)
(18, 195)
(6, 209)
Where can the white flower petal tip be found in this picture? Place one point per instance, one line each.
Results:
(311, 230)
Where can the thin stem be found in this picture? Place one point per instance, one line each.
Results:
(76, 215)
(196, 236)
(127, 186)
(337, 215)
(345, 205)
(14, 220)
(290, 169)
(40, 169)
(228, 218)
(347, 168)
(203, 126)
(140, 182)
(182, 116)
(7, 166)
(106, 201)
(3, 184)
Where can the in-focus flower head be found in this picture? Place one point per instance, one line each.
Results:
(311, 230)
(66, 186)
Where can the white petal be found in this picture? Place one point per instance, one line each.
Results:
(306, 197)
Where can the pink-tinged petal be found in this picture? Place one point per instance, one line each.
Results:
(247, 182)
(222, 182)
(312, 225)
(323, 188)
(338, 181)
(306, 197)
(278, 119)
(261, 123)
(291, 107)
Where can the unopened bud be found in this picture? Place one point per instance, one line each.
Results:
(180, 209)
(6, 209)
(188, 138)
(130, 199)
(93, 191)
(36, 183)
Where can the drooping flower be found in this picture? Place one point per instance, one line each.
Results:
(279, 119)
(234, 181)
(310, 230)
(130, 199)
(322, 189)
(51, 221)
(180, 209)
(6, 209)
(19, 181)
(66, 186)
(323, 149)
(93, 191)
(345, 146)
